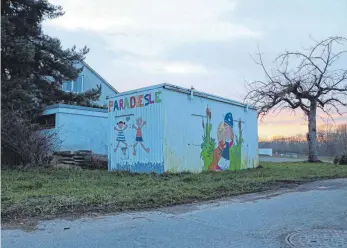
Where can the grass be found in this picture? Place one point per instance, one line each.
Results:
(48, 193)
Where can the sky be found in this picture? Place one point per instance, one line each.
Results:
(201, 43)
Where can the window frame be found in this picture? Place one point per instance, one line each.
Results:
(47, 121)
(73, 86)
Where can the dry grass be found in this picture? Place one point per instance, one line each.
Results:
(47, 193)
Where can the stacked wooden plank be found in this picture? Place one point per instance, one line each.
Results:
(80, 158)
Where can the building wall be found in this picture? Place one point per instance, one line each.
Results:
(174, 133)
(265, 151)
(91, 80)
(187, 121)
(87, 80)
(80, 128)
(141, 111)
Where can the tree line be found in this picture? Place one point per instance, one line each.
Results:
(331, 141)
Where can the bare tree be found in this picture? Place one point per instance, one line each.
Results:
(24, 143)
(314, 78)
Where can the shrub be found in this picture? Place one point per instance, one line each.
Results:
(336, 160)
(94, 162)
(341, 159)
(24, 143)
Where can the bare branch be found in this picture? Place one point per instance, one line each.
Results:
(311, 80)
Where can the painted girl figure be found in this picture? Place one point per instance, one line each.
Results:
(140, 123)
(224, 162)
(121, 126)
(225, 136)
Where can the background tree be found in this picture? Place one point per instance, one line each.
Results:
(331, 142)
(313, 79)
(33, 67)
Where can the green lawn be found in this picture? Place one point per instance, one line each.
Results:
(46, 193)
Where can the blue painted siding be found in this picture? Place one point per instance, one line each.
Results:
(183, 130)
(175, 132)
(80, 128)
(136, 153)
(89, 79)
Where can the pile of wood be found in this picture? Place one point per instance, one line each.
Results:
(80, 158)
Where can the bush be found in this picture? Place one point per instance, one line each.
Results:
(336, 160)
(24, 143)
(94, 162)
(341, 159)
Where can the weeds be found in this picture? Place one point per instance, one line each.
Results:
(53, 192)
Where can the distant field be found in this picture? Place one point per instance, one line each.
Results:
(49, 193)
(300, 158)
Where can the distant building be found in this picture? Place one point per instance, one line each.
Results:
(265, 151)
(78, 127)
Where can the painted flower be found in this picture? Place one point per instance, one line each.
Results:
(208, 113)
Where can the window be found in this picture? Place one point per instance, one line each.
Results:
(75, 86)
(46, 121)
(78, 84)
(67, 86)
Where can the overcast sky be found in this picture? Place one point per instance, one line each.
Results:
(204, 43)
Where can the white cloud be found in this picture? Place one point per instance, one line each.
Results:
(163, 67)
(149, 28)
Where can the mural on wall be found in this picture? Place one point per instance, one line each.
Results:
(139, 139)
(122, 143)
(120, 128)
(131, 143)
(236, 150)
(226, 155)
(208, 145)
(121, 139)
(137, 101)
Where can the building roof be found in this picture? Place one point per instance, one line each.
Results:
(186, 91)
(69, 106)
(98, 75)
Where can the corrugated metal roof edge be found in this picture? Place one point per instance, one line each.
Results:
(185, 91)
(61, 105)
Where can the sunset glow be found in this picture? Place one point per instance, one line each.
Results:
(290, 124)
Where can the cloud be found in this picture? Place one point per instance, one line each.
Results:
(162, 67)
(150, 28)
(204, 43)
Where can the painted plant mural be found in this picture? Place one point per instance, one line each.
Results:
(209, 143)
(226, 154)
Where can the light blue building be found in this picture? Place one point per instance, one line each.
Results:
(89, 79)
(166, 128)
(77, 127)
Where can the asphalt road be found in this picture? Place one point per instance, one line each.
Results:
(310, 215)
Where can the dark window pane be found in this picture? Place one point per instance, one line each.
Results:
(46, 121)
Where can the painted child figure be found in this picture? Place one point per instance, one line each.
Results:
(224, 162)
(121, 126)
(225, 136)
(140, 123)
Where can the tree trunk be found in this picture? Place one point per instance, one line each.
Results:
(312, 132)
